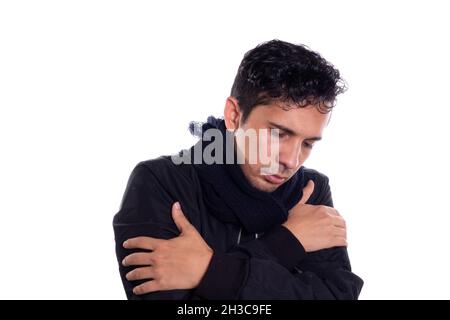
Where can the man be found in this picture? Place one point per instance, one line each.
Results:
(190, 229)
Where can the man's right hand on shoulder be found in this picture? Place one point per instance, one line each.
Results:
(315, 226)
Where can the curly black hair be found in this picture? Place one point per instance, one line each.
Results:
(279, 71)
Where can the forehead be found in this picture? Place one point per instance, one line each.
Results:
(303, 120)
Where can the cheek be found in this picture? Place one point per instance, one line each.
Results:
(306, 152)
(251, 171)
(255, 169)
(268, 149)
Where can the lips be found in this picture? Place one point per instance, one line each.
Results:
(275, 179)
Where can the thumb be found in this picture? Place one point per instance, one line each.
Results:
(307, 192)
(179, 218)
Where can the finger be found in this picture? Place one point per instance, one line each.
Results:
(141, 274)
(138, 259)
(340, 242)
(338, 221)
(179, 218)
(340, 232)
(147, 287)
(307, 192)
(146, 243)
(333, 211)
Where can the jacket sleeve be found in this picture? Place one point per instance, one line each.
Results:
(144, 194)
(277, 267)
(251, 271)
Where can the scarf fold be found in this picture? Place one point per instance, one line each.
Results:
(230, 197)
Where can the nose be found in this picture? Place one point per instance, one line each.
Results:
(290, 156)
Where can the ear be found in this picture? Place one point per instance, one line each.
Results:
(232, 113)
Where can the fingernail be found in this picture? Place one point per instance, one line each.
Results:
(125, 243)
(177, 206)
(124, 262)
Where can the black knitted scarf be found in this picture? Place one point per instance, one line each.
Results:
(231, 198)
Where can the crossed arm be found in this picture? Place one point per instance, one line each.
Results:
(180, 265)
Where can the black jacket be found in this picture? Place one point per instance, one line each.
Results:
(272, 265)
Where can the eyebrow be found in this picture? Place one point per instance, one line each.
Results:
(291, 132)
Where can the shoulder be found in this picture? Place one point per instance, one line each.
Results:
(152, 188)
(165, 172)
(161, 179)
(322, 191)
(315, 175)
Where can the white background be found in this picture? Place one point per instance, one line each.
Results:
(90, 88)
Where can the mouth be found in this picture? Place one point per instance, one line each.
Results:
(275, 179)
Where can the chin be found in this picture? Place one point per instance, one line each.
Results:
(261, 184)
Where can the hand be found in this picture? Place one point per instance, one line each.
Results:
(178, 263)
(316, 227)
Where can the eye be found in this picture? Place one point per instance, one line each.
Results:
(308, 145)
(281, 134)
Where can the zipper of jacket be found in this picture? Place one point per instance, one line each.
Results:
(240, 234)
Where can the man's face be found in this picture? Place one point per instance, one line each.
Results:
(299, 129)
